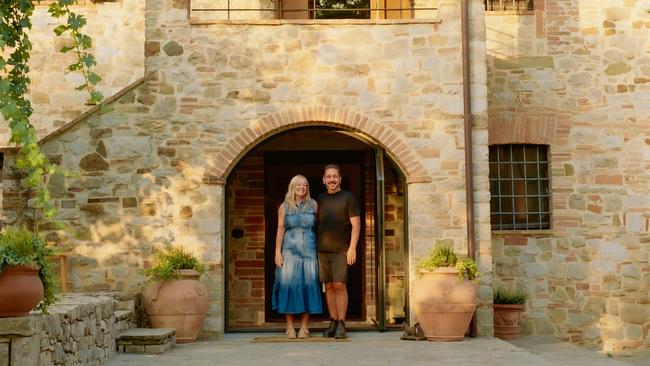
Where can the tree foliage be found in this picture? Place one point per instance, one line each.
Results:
(337, 7)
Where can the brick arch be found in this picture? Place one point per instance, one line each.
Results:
(259, 130)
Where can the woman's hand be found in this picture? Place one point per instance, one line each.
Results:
(279, 261)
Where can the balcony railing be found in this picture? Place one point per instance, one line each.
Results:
(509, 5)
(311, 9)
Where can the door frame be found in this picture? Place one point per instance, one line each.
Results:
(378, 150)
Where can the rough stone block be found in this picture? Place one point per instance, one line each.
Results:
(634, 313)
(4, 352)
(22, 326)
(156, 348)
(134, 349)
(25, 350)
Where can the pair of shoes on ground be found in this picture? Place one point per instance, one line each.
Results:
(303, 333)
(336, 329)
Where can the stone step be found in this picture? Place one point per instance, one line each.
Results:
(124, 314)
(146, 340)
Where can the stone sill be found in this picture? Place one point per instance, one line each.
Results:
(276, 22)
(546, 232)
(509, 12)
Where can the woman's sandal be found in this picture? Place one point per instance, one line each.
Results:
(303, 333)
(291, 333)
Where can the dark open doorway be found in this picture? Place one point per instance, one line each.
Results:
(256, 187)
(280, 167)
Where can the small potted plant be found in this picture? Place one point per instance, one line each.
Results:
(444, 297)
(27, 281)
(175, 298)
(508, 306)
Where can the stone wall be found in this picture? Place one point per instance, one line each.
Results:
(117, 30)
(80, 329)
(151, 171)
(584, 91)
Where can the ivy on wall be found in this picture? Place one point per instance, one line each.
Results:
(15, 47)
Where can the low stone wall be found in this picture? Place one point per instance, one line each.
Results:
(80, 329)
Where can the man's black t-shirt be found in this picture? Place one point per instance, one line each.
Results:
(334, 227)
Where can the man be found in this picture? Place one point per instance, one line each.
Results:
(339, 225)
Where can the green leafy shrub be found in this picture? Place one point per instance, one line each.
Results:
(22, 247)
(512, 297)
(445, 256)
(168, 261)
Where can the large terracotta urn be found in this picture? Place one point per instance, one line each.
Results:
(444, 305)
(507, 320)
(180, 304)
(21, 289)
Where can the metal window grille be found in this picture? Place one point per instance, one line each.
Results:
(502, 5)
(519, 187)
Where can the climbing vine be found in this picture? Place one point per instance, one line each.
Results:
(15, 47)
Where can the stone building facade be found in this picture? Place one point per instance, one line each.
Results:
(576, 78)
(183, 156)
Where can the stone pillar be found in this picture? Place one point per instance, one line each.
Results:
(20, 341)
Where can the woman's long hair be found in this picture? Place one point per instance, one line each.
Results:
(290, 198)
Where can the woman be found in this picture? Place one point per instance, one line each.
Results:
(296, 289)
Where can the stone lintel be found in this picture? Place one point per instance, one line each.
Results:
(20, 326)
(524, 63)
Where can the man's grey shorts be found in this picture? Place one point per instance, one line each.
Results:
(333, 266)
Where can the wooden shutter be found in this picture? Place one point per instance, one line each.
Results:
(379, 9)
(294, 4)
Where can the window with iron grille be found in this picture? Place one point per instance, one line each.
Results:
(503, 5)
(519, 187)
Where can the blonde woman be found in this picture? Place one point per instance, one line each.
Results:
(296, 289)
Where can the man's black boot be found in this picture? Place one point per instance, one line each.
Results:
(339, 333)
(329, 332)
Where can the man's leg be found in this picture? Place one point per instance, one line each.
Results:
(330, 297)
(341, 299)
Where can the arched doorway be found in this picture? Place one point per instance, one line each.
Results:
(256, 186)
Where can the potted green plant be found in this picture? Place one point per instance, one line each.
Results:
(175, 297)
(27, 281)
(508, 306)
(444, 297)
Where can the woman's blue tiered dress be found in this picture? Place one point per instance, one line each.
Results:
(296, 289)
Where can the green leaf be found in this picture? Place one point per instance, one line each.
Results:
(84, 41)
(95, 97)
(81, 87)
(60, 29)
(75, 21)
(66, 49)
(94, 78)
(88, 60)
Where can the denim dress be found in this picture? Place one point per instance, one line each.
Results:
(296, 289)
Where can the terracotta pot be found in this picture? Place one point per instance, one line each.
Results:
(507, 320)
(21, 289)
(444, 306)
(180, 304)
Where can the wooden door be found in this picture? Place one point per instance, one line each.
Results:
(289, 7)
(280, 167)
(384, 9)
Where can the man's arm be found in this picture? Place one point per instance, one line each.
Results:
(354, 239)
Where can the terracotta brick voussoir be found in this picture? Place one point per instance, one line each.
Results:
(317, 115)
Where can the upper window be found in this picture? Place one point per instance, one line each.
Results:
(311, 9)
(519, 187)
(503, 5)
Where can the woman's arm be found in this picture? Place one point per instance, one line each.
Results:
(279, 261)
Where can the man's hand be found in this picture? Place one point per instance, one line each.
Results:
(351, 256)
(279, 261)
